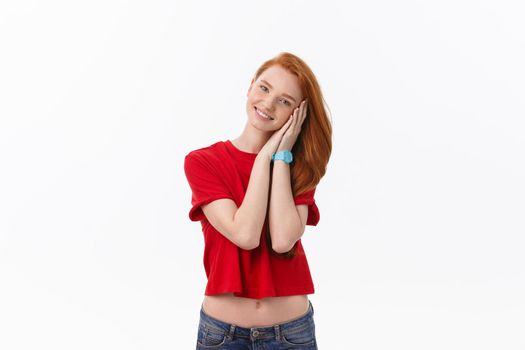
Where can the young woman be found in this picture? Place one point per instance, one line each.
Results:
(253, 196)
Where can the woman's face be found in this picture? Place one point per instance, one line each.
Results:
(275, 93)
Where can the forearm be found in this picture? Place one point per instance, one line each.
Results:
(250, 216)
(284, 220)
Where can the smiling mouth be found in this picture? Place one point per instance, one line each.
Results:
(262, 114)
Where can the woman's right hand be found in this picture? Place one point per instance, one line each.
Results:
(273, 142)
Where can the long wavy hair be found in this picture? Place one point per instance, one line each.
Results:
(313, 146)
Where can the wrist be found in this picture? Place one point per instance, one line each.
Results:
(283, 148)
(266, 156)
(284, 155)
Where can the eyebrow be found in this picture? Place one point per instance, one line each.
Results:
(286, 95)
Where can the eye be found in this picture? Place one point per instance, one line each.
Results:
(287, 103)
(263, 87)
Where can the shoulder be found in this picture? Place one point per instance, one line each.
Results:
(210, 152)
(207, 157)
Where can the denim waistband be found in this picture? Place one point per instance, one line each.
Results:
(295, 325)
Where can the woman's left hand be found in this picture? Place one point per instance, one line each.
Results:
(290, 136)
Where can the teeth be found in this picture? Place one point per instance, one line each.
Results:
(263, 115)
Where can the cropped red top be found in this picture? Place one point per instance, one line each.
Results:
(223, 171)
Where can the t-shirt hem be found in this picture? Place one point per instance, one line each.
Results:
(196, 213)
(252, 295)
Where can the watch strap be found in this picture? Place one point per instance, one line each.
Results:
(285, 155)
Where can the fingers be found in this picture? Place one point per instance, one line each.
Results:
(299, 113)
(286, 125)
(304, 108)
(296, 119)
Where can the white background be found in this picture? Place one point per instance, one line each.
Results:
(421, 239)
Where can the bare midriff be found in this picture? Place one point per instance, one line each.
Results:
(247, 312)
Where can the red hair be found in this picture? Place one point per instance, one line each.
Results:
(313, 146)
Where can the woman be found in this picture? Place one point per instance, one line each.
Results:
(253, 196)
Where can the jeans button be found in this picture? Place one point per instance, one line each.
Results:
(255, 334)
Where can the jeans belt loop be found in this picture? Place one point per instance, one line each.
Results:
(277, 329)
(231, 332)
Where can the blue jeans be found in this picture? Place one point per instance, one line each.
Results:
(298, 333)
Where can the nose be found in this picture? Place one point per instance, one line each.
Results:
(268, 104)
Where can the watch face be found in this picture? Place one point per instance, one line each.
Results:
(288, 157)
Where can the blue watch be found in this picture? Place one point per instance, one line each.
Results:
(285, 156)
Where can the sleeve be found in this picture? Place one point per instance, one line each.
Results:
(313, 211)
(205, 183)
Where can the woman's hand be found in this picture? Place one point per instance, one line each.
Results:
(297, 119)
(270, 147)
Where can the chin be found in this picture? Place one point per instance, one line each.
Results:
(256, 124)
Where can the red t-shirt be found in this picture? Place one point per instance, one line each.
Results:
(223, 171)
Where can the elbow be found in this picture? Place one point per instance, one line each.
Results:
(282, 246)
(250, 246)
(247, 243)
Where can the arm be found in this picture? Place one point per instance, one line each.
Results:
(287, 221)
(243, 225)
